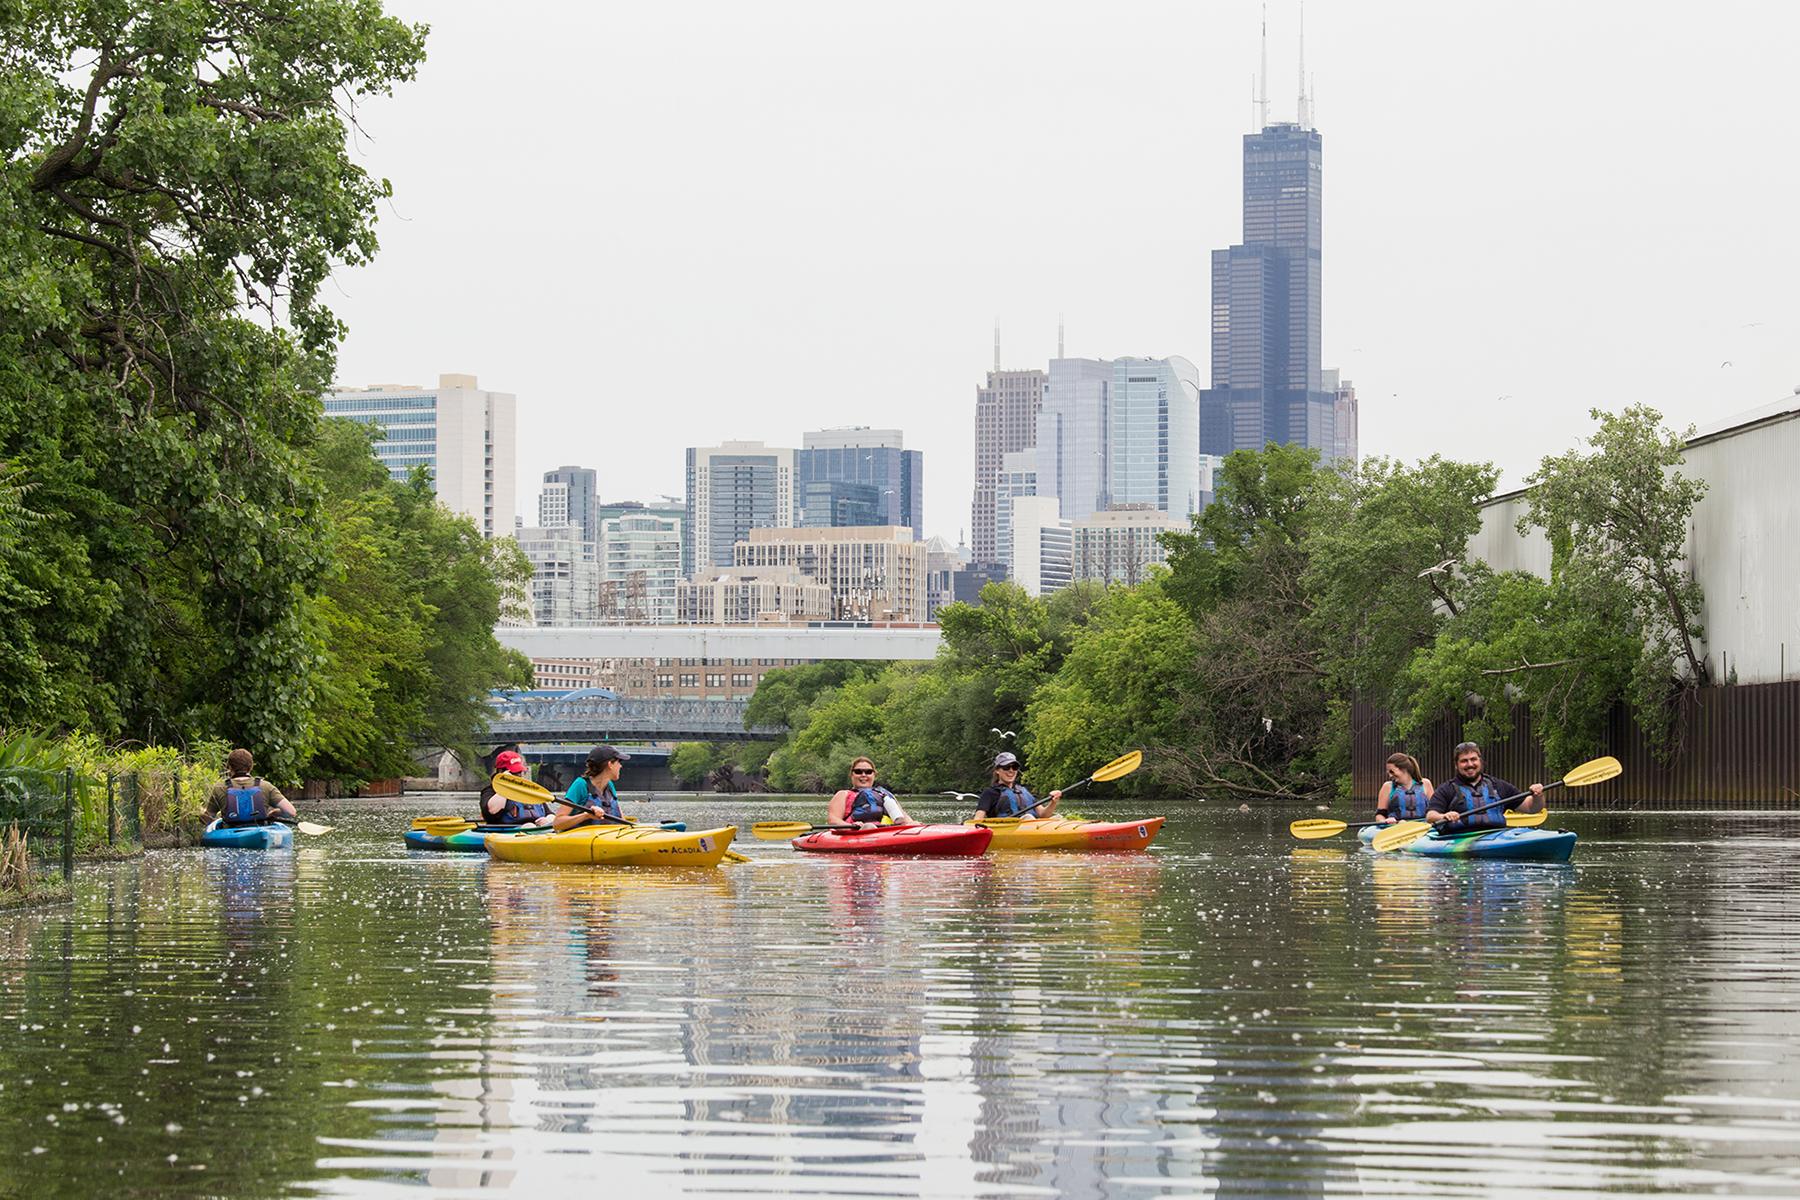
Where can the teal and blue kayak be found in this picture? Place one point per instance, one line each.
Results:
(473, 840)
(1513, 844)
(273, 836)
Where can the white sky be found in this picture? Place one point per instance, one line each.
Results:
(666, 224)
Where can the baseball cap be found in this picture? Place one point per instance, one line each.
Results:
(1006, 758)
(511, 761)
(606, 754)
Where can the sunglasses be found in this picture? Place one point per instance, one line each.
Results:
(862, 770)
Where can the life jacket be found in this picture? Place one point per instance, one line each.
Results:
(244, 805)
(1474, 798)
(1408, 803)
(868, 804)
(604, 801)
(1017, 799)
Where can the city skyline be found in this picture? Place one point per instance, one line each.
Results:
(879, 258)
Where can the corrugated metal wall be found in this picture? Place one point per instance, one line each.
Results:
(1739, 748)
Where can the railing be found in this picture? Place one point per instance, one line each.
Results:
(597, 718)
(65, 812)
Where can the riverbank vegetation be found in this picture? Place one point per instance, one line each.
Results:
(188, 551)
(1298, 588)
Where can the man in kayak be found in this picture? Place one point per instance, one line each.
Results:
(1406, 796)
(594, 789)
(1455, 805)
(497, 809)
(865, 802)
(243, 799)
(1005, 796)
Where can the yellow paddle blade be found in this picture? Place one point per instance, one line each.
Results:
(1598, 770)
(523, 790)
(1317, 827)
(1531, 818)
(732, 856)
(423, 822)
(1403, 834)
(779, 831)
(1119, 767)
(307, 827)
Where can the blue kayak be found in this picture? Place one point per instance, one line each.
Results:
(1519, 843)
(272, 836)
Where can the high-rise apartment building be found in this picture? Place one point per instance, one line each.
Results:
(640, 567)
(1018, 477)
(1121, 544)
(1042, 549)
(570, 498)
(1267, 383)
(859, 476)
(1120, 431)
(733, 488)
(1006, 420)
(565, 576)
(753, 596)
(463, 434)
(875, 573)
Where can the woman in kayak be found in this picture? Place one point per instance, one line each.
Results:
(594, 789)
(865, 802)
(1406, 796)
(1005, 796)
(497, 809)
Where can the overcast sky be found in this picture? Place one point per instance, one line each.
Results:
(667, 224)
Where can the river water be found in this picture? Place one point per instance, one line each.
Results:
(1234, 1013)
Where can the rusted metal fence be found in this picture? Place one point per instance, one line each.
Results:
(1737, 747)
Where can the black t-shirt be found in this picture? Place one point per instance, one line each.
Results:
(992, 803)
(1449, 799)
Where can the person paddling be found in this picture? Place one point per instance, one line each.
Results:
(497, 809)
(1005, 796)
(244, 799)
(865, 802)
(1455, 805)
(1406, 796)
(594, 789)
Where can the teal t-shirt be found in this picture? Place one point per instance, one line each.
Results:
(581, 792)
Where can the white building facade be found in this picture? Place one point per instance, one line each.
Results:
(640, 568)
(565, 575)
(465, 435)
(1041, 546)
(1121, 544)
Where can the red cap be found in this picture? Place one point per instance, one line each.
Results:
(510, 760)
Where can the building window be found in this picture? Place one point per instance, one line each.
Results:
(690, 681)
(663, 681)
(743, 680)
(715, 680)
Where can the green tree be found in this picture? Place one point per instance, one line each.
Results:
(1262, 497)
(175, 188)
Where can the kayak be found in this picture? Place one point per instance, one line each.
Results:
(273, 836)
(1513, 844)
(964, 841)
(474, 838)
(616, 845)
(1056, 833)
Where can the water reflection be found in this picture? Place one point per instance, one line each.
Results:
(1232, 1014)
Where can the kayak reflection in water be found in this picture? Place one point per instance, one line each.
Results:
(594, 788)
(497, 809)
(1406, 796)
(1473, 789)
(1005, 796)
(864, 803)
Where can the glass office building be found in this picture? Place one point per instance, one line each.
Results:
(883, 482)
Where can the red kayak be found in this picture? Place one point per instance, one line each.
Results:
(964, 841)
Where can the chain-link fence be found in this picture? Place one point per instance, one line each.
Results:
(48, 819)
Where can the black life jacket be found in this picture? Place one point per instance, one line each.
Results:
(868, 804)
(1017, 799)
(244, 805)
(1474, 798)
(1408, 803)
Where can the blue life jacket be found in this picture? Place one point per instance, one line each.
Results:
(245, 805)
(1472, 798)
(604, 801)
(868, 804)
(515, 813)
(1017, 799)
(1408, 803)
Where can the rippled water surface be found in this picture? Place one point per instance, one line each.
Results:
(1234, 1013)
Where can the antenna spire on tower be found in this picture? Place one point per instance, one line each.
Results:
(1262, 97)
(1305, 107)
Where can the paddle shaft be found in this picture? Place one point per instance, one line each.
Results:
(1502, 802)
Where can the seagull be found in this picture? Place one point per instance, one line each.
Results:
(1439, 569)
(1005, 733)
(960, 795)
(1724, 364)
(1508, 396)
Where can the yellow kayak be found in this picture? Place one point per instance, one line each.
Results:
(1055, 833)
(616, 845)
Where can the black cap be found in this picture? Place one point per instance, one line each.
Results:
(1006, 758)
(606, 754)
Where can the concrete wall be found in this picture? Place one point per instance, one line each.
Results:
(1743, 545)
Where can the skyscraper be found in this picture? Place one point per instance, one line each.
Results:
(855, 475)
(1267, 384)
(1006, 420)
(1121, 431)
(733, 488)
(463, 434)
(569, 498)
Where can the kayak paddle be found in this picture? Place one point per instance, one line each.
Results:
(1118, 768)
(306, 827)
(781, 831)
(1598, 770)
